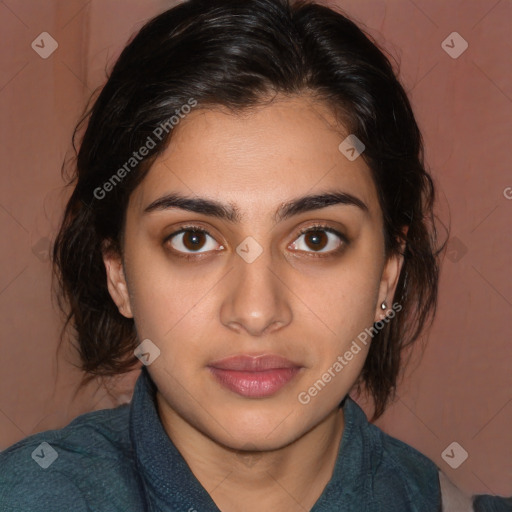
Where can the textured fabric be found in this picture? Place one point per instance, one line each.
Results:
(492, 504)
(122, 460)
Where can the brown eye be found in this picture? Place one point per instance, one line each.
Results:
(320, 240)
(189, 240)
(316, 240)
(193, 240)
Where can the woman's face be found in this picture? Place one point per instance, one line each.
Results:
(250, 315)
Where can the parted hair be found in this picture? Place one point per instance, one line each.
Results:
(237, 54)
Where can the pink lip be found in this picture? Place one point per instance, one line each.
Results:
(254, 377)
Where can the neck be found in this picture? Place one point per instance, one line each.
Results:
(290, 478)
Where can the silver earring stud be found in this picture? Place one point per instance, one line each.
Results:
(383, 305)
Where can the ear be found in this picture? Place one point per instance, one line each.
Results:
(389, 280)
(116, 281)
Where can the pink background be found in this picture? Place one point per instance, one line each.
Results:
(460, 390)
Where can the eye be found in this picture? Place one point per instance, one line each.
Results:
(319, 239)
(192, 240)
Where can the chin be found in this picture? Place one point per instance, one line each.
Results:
(250, 442)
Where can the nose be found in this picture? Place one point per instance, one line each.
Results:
(257, 297)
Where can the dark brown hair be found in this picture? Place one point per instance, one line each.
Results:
(237, 54)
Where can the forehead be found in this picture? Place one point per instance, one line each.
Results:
(258, 159)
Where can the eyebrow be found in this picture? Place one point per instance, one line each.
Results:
(231, 213)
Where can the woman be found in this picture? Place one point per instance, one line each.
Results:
(252, 220)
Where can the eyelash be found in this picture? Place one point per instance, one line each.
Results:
(328, 229)
(315, 227)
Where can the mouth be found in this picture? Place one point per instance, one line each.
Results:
(254, 377)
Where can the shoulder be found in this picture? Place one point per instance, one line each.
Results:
(413, 476)
(456, 500)
(78, 467)
(485, 503)
(402, 478)
(405, 461)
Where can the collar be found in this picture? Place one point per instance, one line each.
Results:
(168, 483)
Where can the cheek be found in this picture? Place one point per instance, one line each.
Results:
(159, 292)
(173, 306)
(162, 304)
(342, 300)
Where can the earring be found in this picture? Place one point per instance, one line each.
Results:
(383, 305)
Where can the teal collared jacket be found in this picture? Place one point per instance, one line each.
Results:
(122, 460)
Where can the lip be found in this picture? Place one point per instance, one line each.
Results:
(254, 376)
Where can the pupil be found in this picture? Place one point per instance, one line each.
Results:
(317, 238)
(193, 240)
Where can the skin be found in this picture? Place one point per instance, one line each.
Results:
(294, 300)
